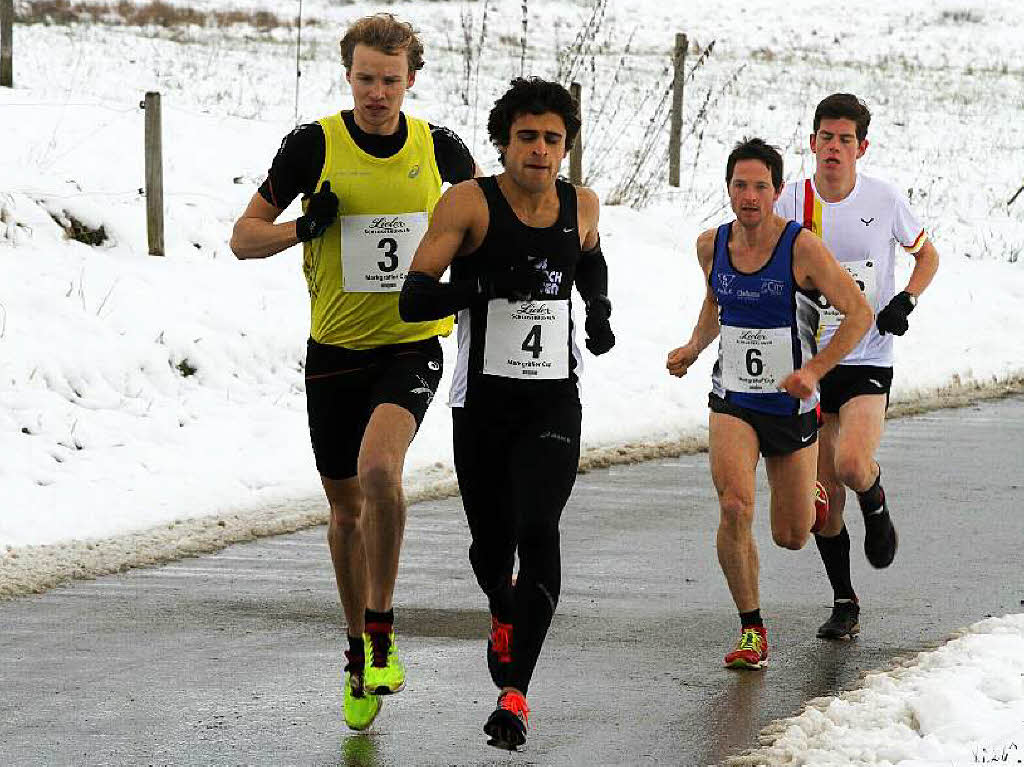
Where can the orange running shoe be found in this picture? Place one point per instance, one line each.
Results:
(820, 508)
(499, 650)
(752, 649)
(506, 726)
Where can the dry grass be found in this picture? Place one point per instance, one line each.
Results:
(151, 14)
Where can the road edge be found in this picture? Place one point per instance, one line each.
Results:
(28, 570)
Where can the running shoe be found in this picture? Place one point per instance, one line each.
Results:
(506, 726)
(842, 624)
(361, 708)
(820, 508)
(499, 650)
(385, 674)
(752, 649)
(880, 539)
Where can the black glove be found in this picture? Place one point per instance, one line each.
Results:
(600, 338)
(893, 318)
(321, 210)
(518, 283)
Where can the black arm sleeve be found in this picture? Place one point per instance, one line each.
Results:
(425, 298)
(592, 274)
(453, 158)
(296, 167)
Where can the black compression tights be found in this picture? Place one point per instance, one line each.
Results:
(516, 471)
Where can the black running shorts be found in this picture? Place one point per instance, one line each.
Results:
(844, 382)
(776, 434)
(344, 386)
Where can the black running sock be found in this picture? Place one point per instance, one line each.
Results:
(871, 500)
(374, 617)
(753, 618)
(835, 554)
(355, 655)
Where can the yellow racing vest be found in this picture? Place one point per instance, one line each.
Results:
(355, 271)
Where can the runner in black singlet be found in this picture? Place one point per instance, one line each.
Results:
(516, 243)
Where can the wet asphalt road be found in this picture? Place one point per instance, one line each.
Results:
(234, 658)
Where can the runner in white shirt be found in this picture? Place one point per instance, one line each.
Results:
(863, 221)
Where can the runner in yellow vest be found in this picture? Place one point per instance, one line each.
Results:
(370, 179)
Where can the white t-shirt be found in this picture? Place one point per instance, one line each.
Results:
(862, 231)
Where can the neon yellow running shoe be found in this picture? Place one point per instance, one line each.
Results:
(385, 674)
(361, 708)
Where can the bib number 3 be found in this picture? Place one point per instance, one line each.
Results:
(377, 250)
(389, 245)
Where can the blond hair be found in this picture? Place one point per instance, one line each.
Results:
(385, 33)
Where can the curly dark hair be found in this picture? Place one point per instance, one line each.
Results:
(532, 96)
(840, 106)
(756, 149)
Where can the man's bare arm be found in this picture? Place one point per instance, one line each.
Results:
(255, 234)
(588, 217)
(817, 269)
(708, 327)
(926, 264)
(450, 234)
(450, 224)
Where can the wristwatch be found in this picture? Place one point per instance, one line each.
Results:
(911, 297)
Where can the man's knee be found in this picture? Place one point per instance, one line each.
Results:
(737, 509)
(344, 516)
(853, 470)
(492, 566)
(789, 537)
(380, 480)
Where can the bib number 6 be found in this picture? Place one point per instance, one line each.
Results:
(755, 365)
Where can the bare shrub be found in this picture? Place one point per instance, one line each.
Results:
(79, 231)
(152, 14)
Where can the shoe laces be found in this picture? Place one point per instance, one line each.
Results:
(515, 703)
(751, 639)
(380, 643)
(501, 639)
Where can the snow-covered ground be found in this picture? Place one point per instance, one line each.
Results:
(137, 393)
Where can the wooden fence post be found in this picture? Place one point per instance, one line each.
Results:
(676, 128)
(7, 43)
(576, 153)
(154, 175)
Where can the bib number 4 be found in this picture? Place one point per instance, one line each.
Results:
(531, 343)
(527, 339)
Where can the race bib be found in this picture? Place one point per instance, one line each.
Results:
(527, 339)
(755, 360)
(377, 250)
(863, 273)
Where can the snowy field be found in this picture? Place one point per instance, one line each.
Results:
(150, 407)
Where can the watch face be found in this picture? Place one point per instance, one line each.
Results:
(913, 299)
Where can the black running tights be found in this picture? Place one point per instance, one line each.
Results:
(516, 469)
